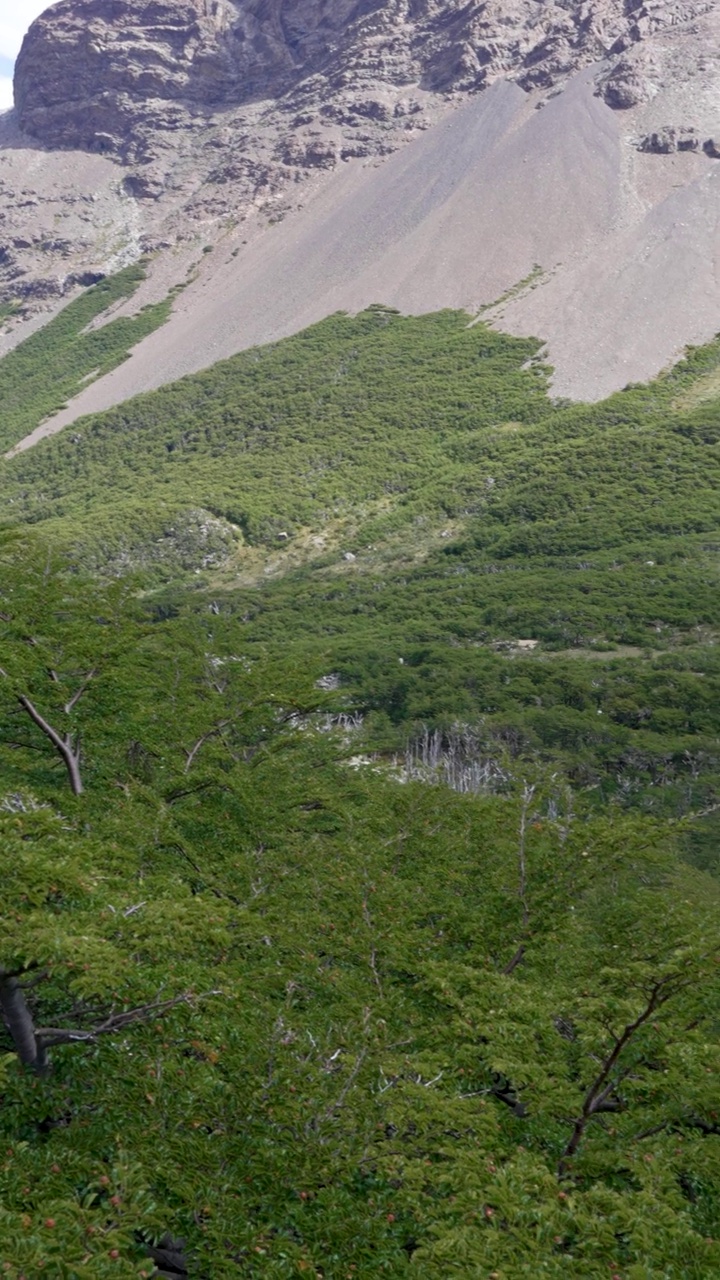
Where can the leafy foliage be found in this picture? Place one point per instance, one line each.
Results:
(291, 1009)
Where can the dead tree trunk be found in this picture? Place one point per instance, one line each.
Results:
(67, 748)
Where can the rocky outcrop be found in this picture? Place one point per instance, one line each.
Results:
(663, 142)
(104, 75)
(127, 76)
(629, 81)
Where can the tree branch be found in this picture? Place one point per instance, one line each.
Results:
(517, 959)
(528, 793)
(68, 751)
(79, 692)
(31, 1043)
(205, 737)
(49, 1036)
(527, 799)
(598, 1094)
(217, 893)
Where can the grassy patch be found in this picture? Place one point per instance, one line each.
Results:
(53, 364)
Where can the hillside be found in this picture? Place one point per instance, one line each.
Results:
(359, 642)
(360, 783)
(383, 491)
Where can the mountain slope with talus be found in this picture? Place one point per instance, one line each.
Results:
(559, 159)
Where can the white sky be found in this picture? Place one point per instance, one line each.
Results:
(15, 18)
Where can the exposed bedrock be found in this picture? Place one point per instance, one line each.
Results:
(118, 75)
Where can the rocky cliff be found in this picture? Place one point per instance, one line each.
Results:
(328, 78)
(228, 101)
(113, 74)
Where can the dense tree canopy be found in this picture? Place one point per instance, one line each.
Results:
(278, 1000)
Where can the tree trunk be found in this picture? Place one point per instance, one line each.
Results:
(18, 1019)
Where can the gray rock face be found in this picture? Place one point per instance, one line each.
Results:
(219, 109)
(115, 75)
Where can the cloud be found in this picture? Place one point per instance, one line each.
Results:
(15, 18)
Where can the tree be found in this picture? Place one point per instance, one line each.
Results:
(586, 1074)
(59, 636)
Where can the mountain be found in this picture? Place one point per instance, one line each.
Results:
(419, 154)
(360, 694)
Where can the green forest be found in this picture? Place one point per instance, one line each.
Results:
(360, 802)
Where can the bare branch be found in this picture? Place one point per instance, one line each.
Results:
(79, 692)
(373, 952)
(517, 959)
(527, 799)
(337, 1106)
(205, 737)
(49, 1036)
(173, 796)
(700, 813)
(68, 750)
(528, 793)
(217, 893)
(651, 1133)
